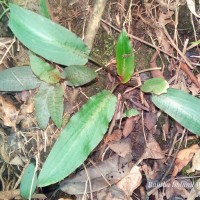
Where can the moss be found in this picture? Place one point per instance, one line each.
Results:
(104, 48)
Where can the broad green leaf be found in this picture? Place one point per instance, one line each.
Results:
(43, 9)
(78, 75)
(41, 108)
(81, 135)
(43, 70)
(28, 182)
(18, 79)
(155, 86)
(46, 38)
(55, 104)
(130, 113)
(182, 107)
(124, 57)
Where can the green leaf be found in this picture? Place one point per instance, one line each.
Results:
(196, 42)
(18, 79)
(28, 182)
(41, 108)
(43, 70)
(78, 75)
(55, 104)
(124, 57)
(182, 107)
(130, 113)
(81, 135)
(155, 86)
(43, 9)
(46, 38)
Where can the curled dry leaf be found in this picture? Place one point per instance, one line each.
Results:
(8, 112)
(130, 182)
(27, 107)
(195, 162)
(183, 158)
(192, 7)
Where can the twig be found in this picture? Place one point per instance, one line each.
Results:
(192, 77)
(7, 50)
(88, 177)
(140, 40)
(175, 47)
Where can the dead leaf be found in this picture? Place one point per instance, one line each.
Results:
(175, 189)
(115, 136)
(192, 7)
(16, 161)
(129, 125)
(101, 176)
(152, 149)
(130, 182)
(65, 199)
(122, 148)
(195, 191)
(150, 120)
(8, 112)
(27, 107)
(183, 158)
(194, 89)
(195, 162)
(111, 193)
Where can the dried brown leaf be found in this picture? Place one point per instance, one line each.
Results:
(122, 148)
(174, 189)
(153, 149)
(109, 171)
(183, 158)
(8, 112)
(150, 120)
(130, 182)
(129, 125)
(115, 136)
(195, 162)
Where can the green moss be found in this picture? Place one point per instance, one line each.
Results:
(104, 48)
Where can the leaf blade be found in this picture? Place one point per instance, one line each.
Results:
(18, 79)
(43, 9)
(43, 70)
(46, 38)
(29, 182)
(55, 104)
(155, 86)
(81, 135)
(41, 108)
(182, 107)
(124, 57)
(78, 75)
